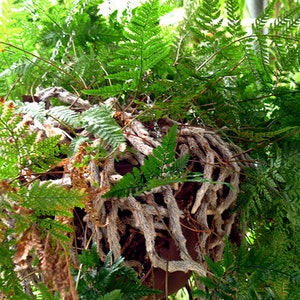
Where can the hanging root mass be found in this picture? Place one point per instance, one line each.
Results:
(161, 233)
(171, 227)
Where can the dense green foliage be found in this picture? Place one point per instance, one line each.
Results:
(206, 72)
(111, 281)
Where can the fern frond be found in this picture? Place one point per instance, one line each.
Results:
(44, 154)
(99, 121)
(108, 91)
(286, 24)
(110, 276)
(160, 168)
(132, 183)
(142, 50)
(36, 110)
(261, 21)
(56, 228)
(256, 136)
(50, 199)
(75, 143)
(208, 16)
(64, 114)
(113, 295)
(234, 19)
(263, 269)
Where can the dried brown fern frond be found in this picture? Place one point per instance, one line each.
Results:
(54, 263)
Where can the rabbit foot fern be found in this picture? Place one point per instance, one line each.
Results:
(161, 213)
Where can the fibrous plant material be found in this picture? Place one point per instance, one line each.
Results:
(173, 226)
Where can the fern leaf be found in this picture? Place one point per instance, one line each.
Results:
(179, 165)
(35, 110)
(64, 114)
(154, 172)
(228, 254)
(113, 295)
(261, 136)
(99, 121)
(143, 49)
(263, 18)
(56, 228)
(234, 19)
(107, 91)
(215, 266)
(50, 199)
(166, 152)
(132, 183)
(75, 143)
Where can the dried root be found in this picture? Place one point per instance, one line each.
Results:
(174, 226)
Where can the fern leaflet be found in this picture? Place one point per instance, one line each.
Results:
(99, 121)
(64, 114)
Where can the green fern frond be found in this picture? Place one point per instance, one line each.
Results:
(44, 293)
(256, 136)
(246, 272)
(154, 167)
(287, 24)
(108, 91)
(19, 146)
(56, 228)
(261, 21)
(50, 199)
(100, 121)
(132, 183)
(9, 152)
(208, 16)
(113, 295)
(65, 115)
(44, 154)
(9, 280)
(99, 280)
(160, 168)
(234, 19)
(35, 110)
(75, 143)
(143, 49)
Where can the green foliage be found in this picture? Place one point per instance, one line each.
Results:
(249, 272)
(24, 204)
(143, 48)
(205, 72)
(100, 122)
(63, 43)
(20, 147)
(96, 120)
(111, 280)
(9, 281)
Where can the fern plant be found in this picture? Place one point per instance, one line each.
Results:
(242, 84)
(240, 274)
(144, 47)
(96, 120)
(29, 210)
(110, 280)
